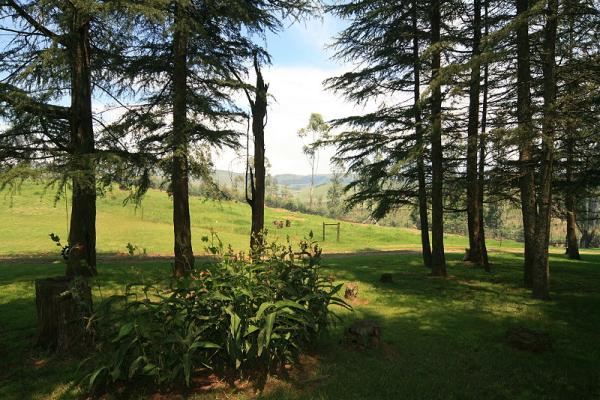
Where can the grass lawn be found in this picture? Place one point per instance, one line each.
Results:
(442, 339)
(30, 215)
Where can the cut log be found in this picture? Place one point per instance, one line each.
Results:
(528, 340)
(63, 305)
(351, 292)
(363, 333)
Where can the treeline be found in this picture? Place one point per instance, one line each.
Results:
(479, 102)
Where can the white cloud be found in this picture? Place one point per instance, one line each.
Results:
(298, 92)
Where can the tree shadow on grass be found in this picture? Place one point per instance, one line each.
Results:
(441, 354)
(442, 338)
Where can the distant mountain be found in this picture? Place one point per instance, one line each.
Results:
(292, 181)
(296, 182)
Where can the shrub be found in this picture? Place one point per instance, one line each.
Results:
(237, 315)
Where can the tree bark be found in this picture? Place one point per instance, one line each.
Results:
(184, 255)
(438, 259)
(82, 231)
(541, 272)
(572, 240)
(525, 128)
(571, 134)
(423, 217)
(62, 307)
(259, 113)
(475, 251)
(482, 145)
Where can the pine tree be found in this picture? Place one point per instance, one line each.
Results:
(184, 66)
(51, 63)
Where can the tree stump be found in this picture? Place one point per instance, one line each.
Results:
(386, 278)
(351, 292)
(363, 333)
(62, 303)
(528, 340)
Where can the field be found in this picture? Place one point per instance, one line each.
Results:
(441, 338)
(31, 214)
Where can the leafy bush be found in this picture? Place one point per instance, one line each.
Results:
(238, 315)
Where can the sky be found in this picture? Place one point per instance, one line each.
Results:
(300, 63)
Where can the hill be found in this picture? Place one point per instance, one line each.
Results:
(31, 214)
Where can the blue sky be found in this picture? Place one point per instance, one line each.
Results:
(304, 43)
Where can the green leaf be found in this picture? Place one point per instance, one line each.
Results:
(134, 366)
(95, 376)
(187, 368)
(263, 307)
(150, 369)
(124, 331)
(270, 321)
(204, 345)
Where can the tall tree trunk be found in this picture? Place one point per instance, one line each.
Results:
(482, 144)
(82, 231)
(259, 113)
(184, 255)
(475, 252)
(438, 259)
(525, 127)
(541, 271)
(572, 241)
(423, 217)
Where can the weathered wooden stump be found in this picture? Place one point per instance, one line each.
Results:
(62, 303)
(363, 333)
(386, 278)
(351, 292)
(467, 256)
(528, 340)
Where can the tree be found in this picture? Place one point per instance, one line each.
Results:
(438, 258)
(386, 150)
(335, 194)
(316, 129)
(51, 60)
(198, 45)
(476, 252)
(258, 108)
(525, 133)
(419, 139)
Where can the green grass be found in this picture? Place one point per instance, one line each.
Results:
(30, 215)
(442, 339)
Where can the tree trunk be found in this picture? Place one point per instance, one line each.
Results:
(82, 231)
(482, 146)
(259, 113)
(572, 241)
(62, 306)
(184, 255)
(541, 272)
(570, 199)
(423, 217)
(475, 251)
(525, 127)
(438, 259)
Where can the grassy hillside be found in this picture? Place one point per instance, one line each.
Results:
(30, 215)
